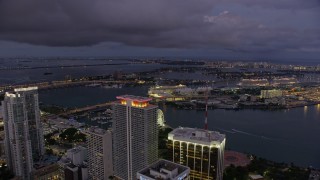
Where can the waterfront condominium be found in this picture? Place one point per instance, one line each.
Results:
(24, 143)
(99, 152)
(201, 150)
(135, 135)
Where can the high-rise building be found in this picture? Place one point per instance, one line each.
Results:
(2, 149)
(23, 130)
(99, 144)
(135, 135)
(32, 110)
(201, 150)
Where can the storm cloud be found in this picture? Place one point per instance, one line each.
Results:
(243, 26)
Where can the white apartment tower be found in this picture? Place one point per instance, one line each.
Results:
(99, 152)
(24, 141)
(135, 135)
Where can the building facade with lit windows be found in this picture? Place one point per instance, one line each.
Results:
(271, 93)
(160, 118)
(135, 135)
(99, 153)
(201, 150)
(24, 142)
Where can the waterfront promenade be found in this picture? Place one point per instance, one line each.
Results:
(63, 84)
(84, 109)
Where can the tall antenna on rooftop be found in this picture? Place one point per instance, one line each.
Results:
(206, 113)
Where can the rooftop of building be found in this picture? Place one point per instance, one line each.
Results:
(17, 91)
(45, 161)
(64, 160)
(12, 95)
(164, 167)
(255, 176)
(135, 101)
(134, 98)
(96, 130)
(72, 165)
(45, 170)
(197, 134)
(76, 149)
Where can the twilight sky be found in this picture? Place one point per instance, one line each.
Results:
(270, 29)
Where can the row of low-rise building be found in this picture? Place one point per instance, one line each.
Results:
(171, 93)
(271, 93)
(266, 82)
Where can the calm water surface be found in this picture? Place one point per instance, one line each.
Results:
(37, 75)
(284, 136)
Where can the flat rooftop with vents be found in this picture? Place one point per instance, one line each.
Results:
(164, 170)
(135, 101)
(198, 136)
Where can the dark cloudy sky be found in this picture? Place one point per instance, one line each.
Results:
(215, 28)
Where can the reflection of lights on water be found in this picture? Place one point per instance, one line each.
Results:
(305, 110)
(318, 108)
